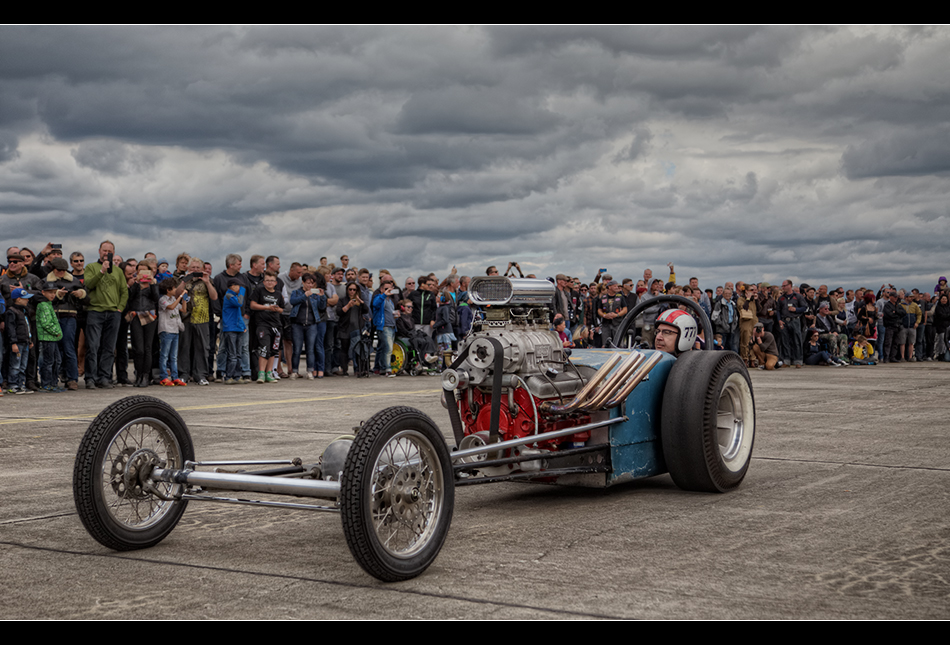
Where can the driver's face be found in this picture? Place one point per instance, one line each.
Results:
(666, 336)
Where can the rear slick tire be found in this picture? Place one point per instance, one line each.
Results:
(397, 494)
(708, 421)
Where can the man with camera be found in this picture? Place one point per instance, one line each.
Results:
(108, 293)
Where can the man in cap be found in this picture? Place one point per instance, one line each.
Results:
(611, 308)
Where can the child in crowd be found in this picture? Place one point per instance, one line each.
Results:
(233, 326)
(49, 333)
(163, 272)
(171, 306)
(20, 340)
(560, 326)
(267, 304)
(863, 352)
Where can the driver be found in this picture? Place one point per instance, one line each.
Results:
(676, 332)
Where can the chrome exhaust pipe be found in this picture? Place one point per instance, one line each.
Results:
(634, 381)
(549, 407)
(614, 383)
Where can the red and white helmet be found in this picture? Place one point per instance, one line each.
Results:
(686, 325)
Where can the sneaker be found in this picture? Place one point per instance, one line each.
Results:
(390, 375)
(260, 378)
(90, 385)
(230, 381)
(310, 376)
(274, 375)
(24, 391)
(167, 382)
(294, 375)
(203, 381)
(180, 383)
(72, 385)
(269, 378)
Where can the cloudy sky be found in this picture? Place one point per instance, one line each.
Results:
(821, 154)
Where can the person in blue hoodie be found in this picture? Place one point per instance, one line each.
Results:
(232, 329)
(384, 319)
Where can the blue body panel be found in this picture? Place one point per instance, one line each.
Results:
(635, 449)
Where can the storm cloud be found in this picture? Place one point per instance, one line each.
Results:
(735, 152)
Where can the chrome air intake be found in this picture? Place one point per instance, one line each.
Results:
(499, 291)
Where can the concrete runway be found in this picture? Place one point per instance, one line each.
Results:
(843, 515)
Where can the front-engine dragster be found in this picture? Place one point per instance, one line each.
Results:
(520, 407)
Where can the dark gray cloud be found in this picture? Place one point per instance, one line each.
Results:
(772, 151)
(917, 152)
(8, 146)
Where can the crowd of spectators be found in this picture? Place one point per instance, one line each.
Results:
(65, 322)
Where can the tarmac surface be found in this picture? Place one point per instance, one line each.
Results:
(843, 515)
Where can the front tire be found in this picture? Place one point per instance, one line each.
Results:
(397, 494)
(112, 498)
(708, 421)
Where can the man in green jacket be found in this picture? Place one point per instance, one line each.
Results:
(108, 293)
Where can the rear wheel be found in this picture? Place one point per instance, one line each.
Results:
(117, 503)
(397, 494)
(708, 423)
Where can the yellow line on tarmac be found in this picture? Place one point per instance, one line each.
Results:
(238, 405)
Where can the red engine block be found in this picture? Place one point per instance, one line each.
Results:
(477, 418)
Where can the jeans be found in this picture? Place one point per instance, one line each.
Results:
(793, 327)
(67, 347)
(102, 329)
(168, 355)
(354, 339)
(231, 346)
(244, 356)
(329, 341)
(16, 375)
(49, 363)
(310, 337)
(384, 348)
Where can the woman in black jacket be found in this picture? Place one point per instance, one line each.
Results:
(141, 313)
(350, 311)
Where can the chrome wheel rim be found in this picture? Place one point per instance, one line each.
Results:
(126, 500)
(734, 427)
(407, 494)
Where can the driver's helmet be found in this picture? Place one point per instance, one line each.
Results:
(686, 325)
